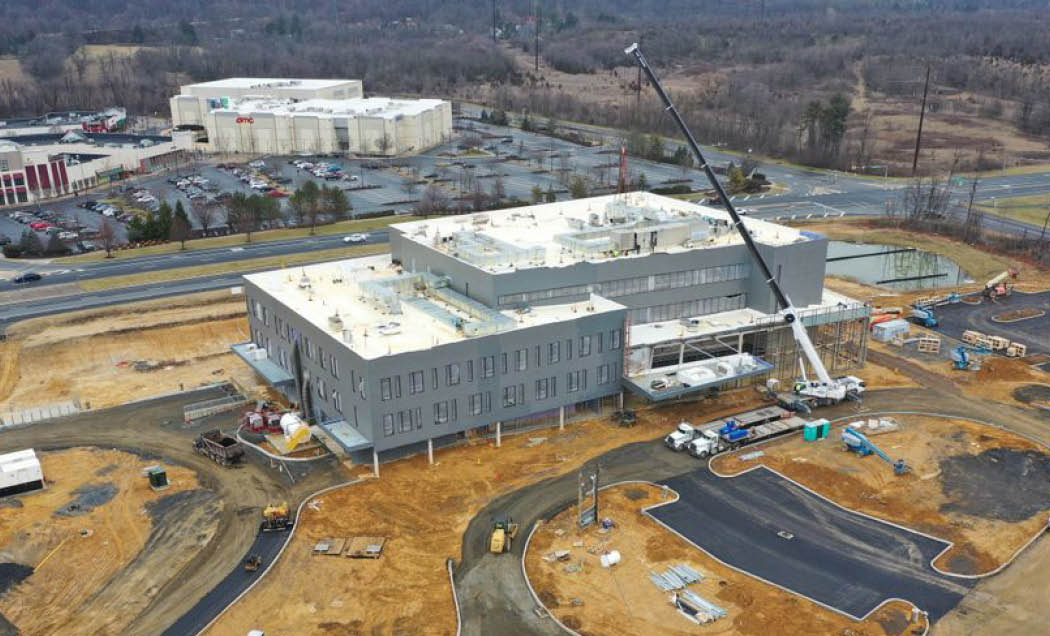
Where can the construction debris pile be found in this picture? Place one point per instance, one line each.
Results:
(691, 605)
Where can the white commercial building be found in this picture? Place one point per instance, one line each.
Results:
(20, 472)
(289, 116)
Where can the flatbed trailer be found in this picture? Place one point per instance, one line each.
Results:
(711, 442)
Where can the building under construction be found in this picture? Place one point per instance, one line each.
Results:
(481, 320)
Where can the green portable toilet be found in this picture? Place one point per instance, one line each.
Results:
(811, 431)
(825, 429)
(158, 477)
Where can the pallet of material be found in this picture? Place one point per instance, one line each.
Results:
(365, 547)
(330, 547)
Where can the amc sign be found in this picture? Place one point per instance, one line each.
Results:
(245, 120)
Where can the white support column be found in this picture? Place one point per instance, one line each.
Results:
(621, 400)
(375, 462)
(430, 451)
(740, 342)
(561, 418)
(499, 434)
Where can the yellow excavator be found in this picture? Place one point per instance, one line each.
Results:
(503, 531)
(275, 518)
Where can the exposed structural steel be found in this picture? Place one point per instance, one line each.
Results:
(833, 388)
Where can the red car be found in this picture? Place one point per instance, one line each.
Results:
(41, 225)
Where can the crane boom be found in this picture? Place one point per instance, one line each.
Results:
(787, 310)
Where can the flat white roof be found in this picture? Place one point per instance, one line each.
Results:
(384, 107)
(348, 289)
(676, 330)
(18, 456)
(594, 229)
(265, 83)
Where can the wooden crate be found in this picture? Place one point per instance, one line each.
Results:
(365, 547)
(998, 343)
(929, 344)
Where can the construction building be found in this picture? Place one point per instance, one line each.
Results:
(43, 166)
(98, 121)
(289, 116)
(489, 319)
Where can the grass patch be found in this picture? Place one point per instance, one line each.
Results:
(980, 265)
(247, 265)
(235, 240)
(1031, 209)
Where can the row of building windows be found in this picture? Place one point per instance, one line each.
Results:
(479, 403)
(686, 309)
(636, 285)
(515, 361)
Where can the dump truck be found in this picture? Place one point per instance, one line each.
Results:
(275, 518)
(219, 447)
(503, 531)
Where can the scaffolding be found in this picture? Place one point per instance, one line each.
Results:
(839, 334)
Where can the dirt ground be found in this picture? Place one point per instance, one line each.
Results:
(622, 599)
(90, 355)
(980, 487)
(90, 555)
(423, 511)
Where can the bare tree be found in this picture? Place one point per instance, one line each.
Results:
(207, 215)
(107, 235)
(433, 201)
(974, 217)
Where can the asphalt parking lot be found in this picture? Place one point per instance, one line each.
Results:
(843, 560)
(1033, 332)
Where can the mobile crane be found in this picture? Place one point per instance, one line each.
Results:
(824, 390)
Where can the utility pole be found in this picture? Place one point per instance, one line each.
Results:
(922, 115)
(536, 46)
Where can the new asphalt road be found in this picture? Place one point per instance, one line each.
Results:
(768, 526)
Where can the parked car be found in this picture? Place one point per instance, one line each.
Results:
(28, 277)
(355, 238)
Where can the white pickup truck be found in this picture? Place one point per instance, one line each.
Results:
(680, 437)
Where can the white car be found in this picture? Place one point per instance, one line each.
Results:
(352, 177)
(355, 238)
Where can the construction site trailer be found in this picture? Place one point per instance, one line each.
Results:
(20, 472)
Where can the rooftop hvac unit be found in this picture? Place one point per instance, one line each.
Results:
(595, 219)
(575, 223)
(335, 323)
(304, 281)
(348, 336)
(389, 329)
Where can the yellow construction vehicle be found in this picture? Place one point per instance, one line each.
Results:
(275, 518)
(503, 531)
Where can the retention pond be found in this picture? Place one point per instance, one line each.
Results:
(893, 267)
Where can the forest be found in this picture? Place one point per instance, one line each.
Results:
(786, 78)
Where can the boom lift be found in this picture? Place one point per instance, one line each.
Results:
(824, 390)
(860, 444)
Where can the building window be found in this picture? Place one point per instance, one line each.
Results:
(416, 382)
(503, 357)
(404, 421)
(568, 349)
(599, 337)
(385, 392)
(321, 357)
(474, 404)
(521, 359)
(388, 424)
(452, 374)
(337, 401)
(577, 381)
(488, 367)
(554, 352)
(470, 370)
(510, 396)
(335, 367)
(440, 412)
(322, 390)
(614, 339)
(542, 389)
(585, 346)
(604, 373)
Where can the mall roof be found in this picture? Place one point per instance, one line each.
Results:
(595, 229)
(264, 83)
(384, 107)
